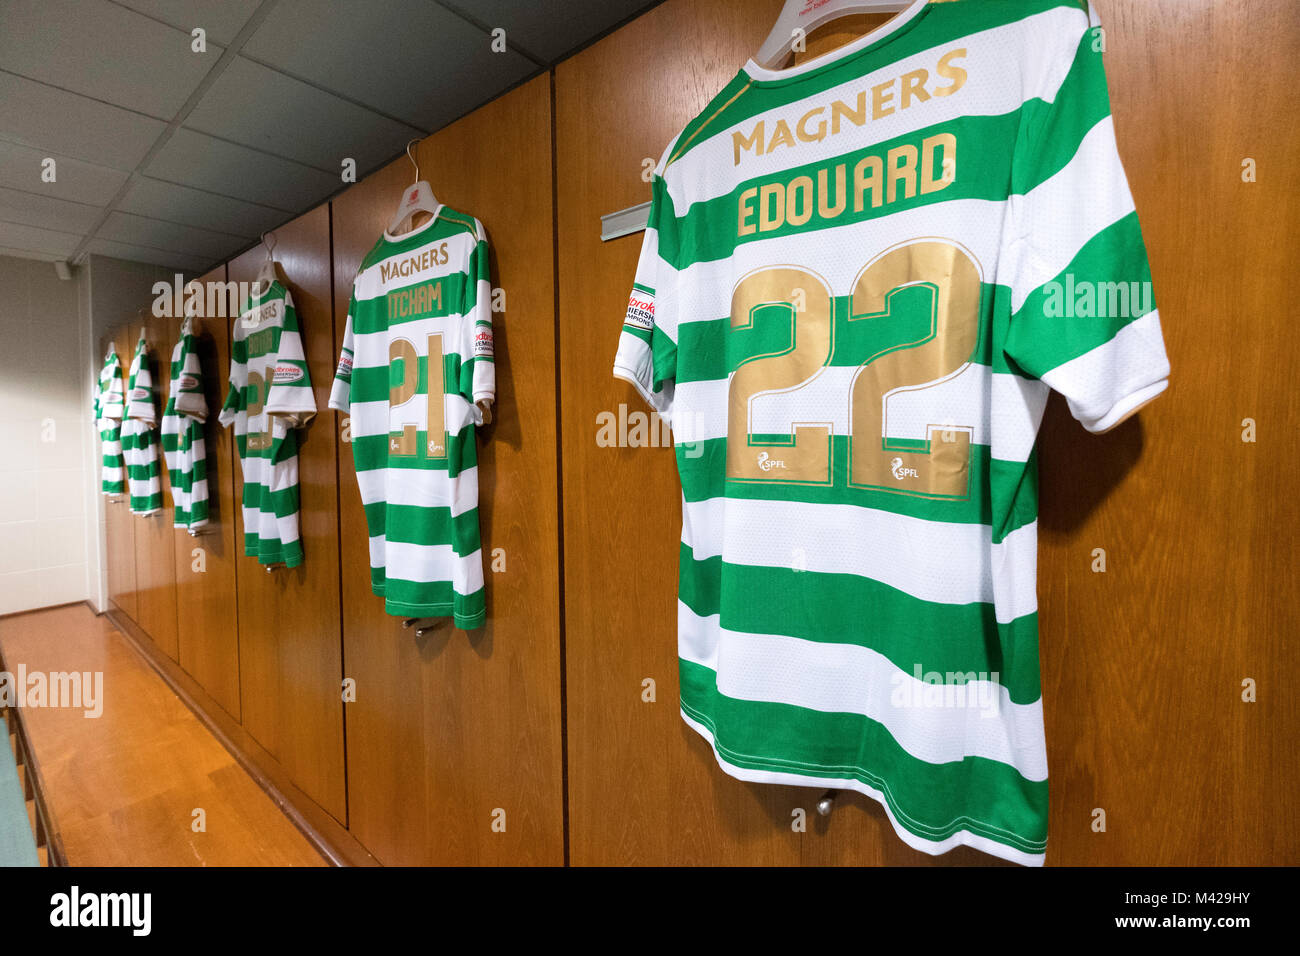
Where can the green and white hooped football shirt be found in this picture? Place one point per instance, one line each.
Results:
(862, 277)
(184, 448)
(140, 438)
(109, 406)
(417, 350)
(270, 398)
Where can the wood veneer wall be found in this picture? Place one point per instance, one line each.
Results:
(1142, 665)
(206, 606)
(456, 731)
(290, 651)
(155, 565)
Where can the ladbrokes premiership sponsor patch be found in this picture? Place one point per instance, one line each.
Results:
(641, 310)
(483, 342)
(287, 374)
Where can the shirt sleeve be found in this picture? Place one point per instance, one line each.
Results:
(647, 346)
(140, 402)
(478, 377)
(1084, 320)
(289, 397)
(115, 402)
(187, 386)
(110, 402)
(341, 391)
(235, 394)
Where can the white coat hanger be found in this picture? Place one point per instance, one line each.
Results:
(266, 274)
(807, 16)
(417, 198)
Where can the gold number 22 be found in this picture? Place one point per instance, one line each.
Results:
(942, 349)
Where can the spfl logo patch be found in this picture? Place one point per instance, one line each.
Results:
(898, 471)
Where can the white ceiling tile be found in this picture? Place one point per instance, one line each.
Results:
(34, 114)
(34, 239)
(139, 230)
(103, 51)
(10, 252)
(194, 207)
(94, 84)
(31, 209)
(199, 160)
(124, 250)
(536, 28)
(409, 59)
(76, 181)
(222, 19)
(256, 106)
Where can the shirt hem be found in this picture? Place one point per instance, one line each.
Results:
(916, 842)
(465, 622)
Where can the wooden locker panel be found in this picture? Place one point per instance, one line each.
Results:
(1143, 664)
(643, 787)
(206, 605)
(289, 645)
(155, 556)
(119, 523)
(448, 728)
(120, 554)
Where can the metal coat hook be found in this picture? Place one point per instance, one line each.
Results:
(420, 629)
(827, 802)
(411, 156)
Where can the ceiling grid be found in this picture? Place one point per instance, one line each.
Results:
(182, 159)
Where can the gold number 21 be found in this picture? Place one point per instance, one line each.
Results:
(941, 349)
(404, 386)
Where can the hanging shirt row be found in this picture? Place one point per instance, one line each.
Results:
(415, 376)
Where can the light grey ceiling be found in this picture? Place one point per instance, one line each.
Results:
(181, 158)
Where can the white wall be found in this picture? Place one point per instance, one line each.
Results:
(44, 420)
(53, 335)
